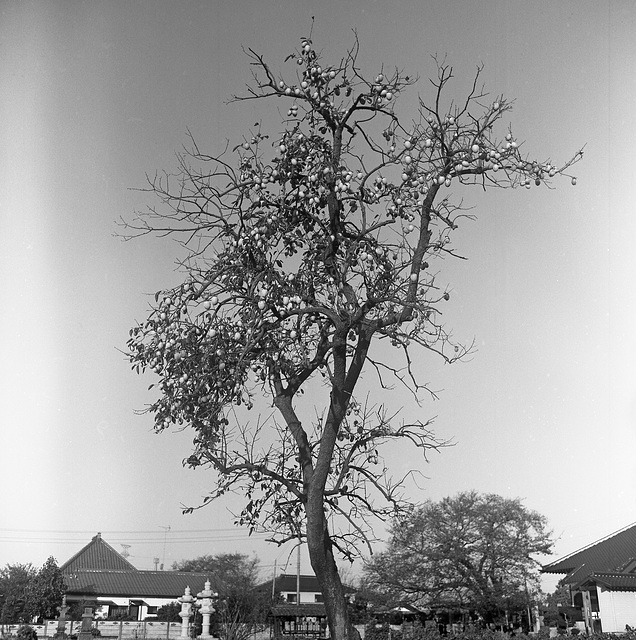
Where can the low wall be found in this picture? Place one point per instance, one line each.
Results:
(108, 629)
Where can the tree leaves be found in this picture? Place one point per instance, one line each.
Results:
(27, 593)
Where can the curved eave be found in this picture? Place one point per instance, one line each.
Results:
(609, 581)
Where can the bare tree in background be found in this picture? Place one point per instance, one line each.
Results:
(469, 551)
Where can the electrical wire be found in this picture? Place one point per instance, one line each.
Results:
(141, 537)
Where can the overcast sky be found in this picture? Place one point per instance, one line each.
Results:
(95, 95)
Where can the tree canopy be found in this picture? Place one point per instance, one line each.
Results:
(27, 593)
(303, 250)
(476, 551)
(14, 581)
(229, 572)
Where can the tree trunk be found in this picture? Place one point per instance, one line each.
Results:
(318, 537)
(324, 566)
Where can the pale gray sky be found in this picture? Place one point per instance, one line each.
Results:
(97, 94)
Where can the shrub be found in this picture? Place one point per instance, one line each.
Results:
(25, 632)
(376, 632)
(544, 633)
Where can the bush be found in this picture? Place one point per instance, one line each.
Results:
(121, 615)
(544, 633)
(418, 632)
(25, 632)
(376, 632)
(482, 634)
(381, 632)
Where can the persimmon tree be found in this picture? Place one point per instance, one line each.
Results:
(303, 250)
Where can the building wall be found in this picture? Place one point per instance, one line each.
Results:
(617, 609)
(305, 596)
(145, 610)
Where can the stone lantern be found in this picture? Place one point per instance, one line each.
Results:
(61, 621)
(86, 632)
(186, 601)
(206, 609)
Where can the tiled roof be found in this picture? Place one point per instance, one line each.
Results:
(611, 581)
(302, 609)
(287, 583)
(157, 584)
(98, 570)
(308, 583)
(605, 555)
(97, 554)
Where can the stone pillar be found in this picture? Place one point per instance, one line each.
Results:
(87, 625)
(61, 621)
(186, 601)
(206, 609)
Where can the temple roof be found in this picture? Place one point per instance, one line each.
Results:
(98, 570)
(97, 554)
(287, 583)
(131, 584)
(607, 555)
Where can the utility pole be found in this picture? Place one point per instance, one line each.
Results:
(274, 583)
(298, 573)
(165, 534)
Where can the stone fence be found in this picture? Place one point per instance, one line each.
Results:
(122, 630)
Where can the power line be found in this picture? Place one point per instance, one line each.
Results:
(170, 541)
(79, 531)
(138, 537)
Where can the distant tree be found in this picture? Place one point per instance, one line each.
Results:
(241, 613)
(370, 597)
(366, 600)
(76, 608)
(302, 259)
(27, 594)
(169, 612)
(557, 602)
(228, 572)
(45, 592)
(240, 609)
(476, 551)
(14, 582)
